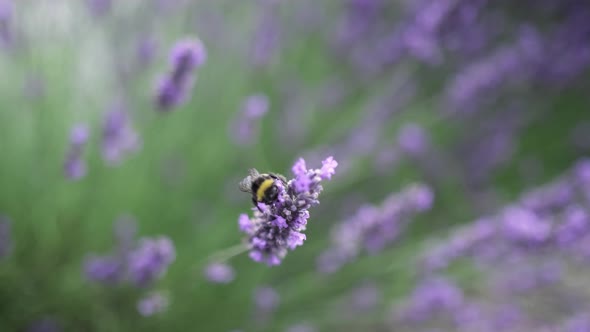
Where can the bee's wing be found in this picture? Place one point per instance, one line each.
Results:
(283, 178)
(246, 184)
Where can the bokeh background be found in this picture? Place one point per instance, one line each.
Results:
(459, 202)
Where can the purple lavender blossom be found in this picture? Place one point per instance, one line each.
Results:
(413, 140)
(119, 138)
(75, 166)
(150, 260)
(522, 225)
(220, 273)
(279, 228)
(5, 236)
(174, 89)
(140, 262)
(245, 126)
(152, 304)
(373, 228)
(430, 297)
(6, 17)
(266, 299)
(104, 269)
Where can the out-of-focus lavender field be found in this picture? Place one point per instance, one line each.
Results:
(435, 155)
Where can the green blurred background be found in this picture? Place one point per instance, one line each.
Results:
(68, 66)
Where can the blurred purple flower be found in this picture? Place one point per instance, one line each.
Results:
(119, 138)
(266, 298)
(99, 8)
(150, 260)
(174, 89)
(522, 225)
(373, 228)
(577, 323)
(413, 139)
(245, 126)
(152, 304)
(430, 297)
(220, 273)
(6, 17)
(45, 325)
(140, 262)
(75, 166)
(280, 226)
(302, 327)
(104, 269)
(328, 168)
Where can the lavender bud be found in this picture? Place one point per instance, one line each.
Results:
(219, 273)
(75, 166)
(152, 304)
(174, 88)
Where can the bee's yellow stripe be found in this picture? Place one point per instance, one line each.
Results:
(263, 187)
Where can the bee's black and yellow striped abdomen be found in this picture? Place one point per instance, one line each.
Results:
(261, 186)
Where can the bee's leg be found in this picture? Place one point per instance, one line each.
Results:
(256, 204)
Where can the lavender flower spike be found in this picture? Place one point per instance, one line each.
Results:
(74, 165)
(219, 273)
(152, 304)
(150, 260)
(119, 138)
(279, 228)
(173, 89)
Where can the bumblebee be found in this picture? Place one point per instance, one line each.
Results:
(263, 187)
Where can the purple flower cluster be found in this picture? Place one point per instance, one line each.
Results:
(280, 226)
(141, 262)
(119, 138)
(174, 88)
(430, 297)
(373, 228)
(75, 166)
(549, 218)
(532, 255)
(150, 260)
